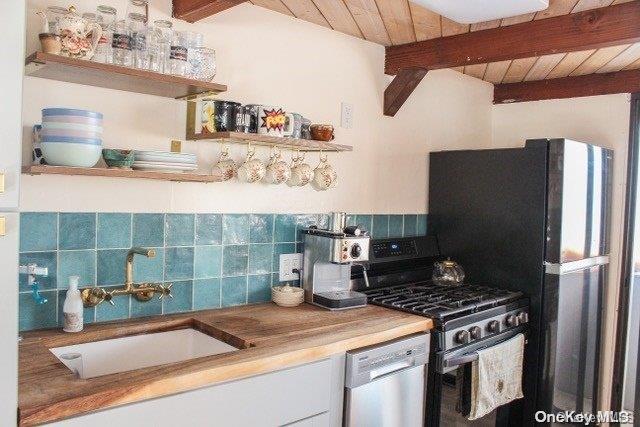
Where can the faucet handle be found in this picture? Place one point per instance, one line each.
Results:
(165, 291)
(109, 298)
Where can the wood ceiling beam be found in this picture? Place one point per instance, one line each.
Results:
(400, 88)
(568, 87)
(195, 10)
(591, 29)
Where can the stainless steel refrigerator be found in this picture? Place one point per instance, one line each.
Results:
(535, 219)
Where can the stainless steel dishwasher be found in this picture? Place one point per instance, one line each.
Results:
(385, 384)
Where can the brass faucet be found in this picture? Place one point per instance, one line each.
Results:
(142, 292)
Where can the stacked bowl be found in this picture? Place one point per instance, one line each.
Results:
(71, 137)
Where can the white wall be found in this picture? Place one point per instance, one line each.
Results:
(266, 57)
(601, 120)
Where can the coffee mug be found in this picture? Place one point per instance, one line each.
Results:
(324, 176)
(301, 173)
(271, 120)
(278, 171)
(252, 170)
(293, 125)
(225, 166)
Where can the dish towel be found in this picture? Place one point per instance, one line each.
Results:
(496, 377)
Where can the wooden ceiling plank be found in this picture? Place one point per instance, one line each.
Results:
(476, 70)
(543, 66)
(598, 28)
(367, 16)
(513, 20)
(556, 8)
(569, 63)
(307, 11)
(623, 60)
(485, 25)
(496, 70)
(396, 16)
(426, 23)
(401, 88)
(634, 65)
(518, 70)
(275, 5)
(452, 28)
(599, 58)
(195, 10)
(338, 16)
(568, 87)
(583, 5)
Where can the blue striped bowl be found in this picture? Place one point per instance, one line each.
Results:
(72, 140)
(46, 112)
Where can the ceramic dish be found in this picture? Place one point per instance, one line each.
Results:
(165, 157)
(72, 140)
(70, 154)
(72, 126)
(118, 158)
(287, 296)
(54, 133)
(71, 112)
(72, 119)
(163, 166)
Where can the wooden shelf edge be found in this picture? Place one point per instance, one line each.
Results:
(264, 140)
(119, 173)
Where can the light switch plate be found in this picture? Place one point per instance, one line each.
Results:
(346, 117)
(289, 262)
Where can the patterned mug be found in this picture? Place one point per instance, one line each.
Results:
(252, 170)
(278, 171)
(225, 166)
(324, 176)
(301, 172)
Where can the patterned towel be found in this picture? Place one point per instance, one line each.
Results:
(496, 377)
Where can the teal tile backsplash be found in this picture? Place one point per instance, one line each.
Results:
(213, 260)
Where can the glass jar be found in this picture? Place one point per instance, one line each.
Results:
(121, 45)
(159, 45)
(203, 63)
(106, 17)
(138, 27)
(194, 41)
(54, 13)
(140, 7)
(178, 54)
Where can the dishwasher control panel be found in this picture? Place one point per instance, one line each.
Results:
(370, 363)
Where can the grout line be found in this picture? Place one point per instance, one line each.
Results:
(193, 275)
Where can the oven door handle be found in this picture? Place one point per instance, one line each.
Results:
(460, 360)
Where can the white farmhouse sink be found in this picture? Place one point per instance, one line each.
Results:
(98, 358)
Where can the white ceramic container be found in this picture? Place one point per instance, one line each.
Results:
(60, 153)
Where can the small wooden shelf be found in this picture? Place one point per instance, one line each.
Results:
(270, 141)
(61, 68)
(119, 173)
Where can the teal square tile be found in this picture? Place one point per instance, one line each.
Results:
(208, 229)
(206, 294)
(410, 225)
(37, 316)
(323, 221)
(77, 263)
(261, 229)
(114, 230)
(303, 222)
(235, 229)
(38, 231)
(364, 221)
(110, 266)
(351, 219)
(380, 227)
(148, 269)
(278, 249)
(260, 257)
(208, 261)
(234, 291)
(178, 263)
(396, 226)
(42, 259)
(152, 307)
(235, 260)
(179, 230)
(88, 313)
(182, 298)
(106, 312)
(148, 230)
(285, 228)
(422, 225)
(259, 288)
(77, 231)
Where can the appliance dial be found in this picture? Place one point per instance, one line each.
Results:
(494, 326)
(512, 320)
(462, 337)
(356, 250)
(523, 317)
(476, 332)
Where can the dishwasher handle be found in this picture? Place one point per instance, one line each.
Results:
(391, 369)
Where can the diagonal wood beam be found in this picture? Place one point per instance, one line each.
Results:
(400, 88)
(568, 87)
(195, 10)
(592, 29)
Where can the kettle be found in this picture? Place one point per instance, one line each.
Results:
(447, 273)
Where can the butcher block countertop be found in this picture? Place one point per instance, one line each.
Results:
(271, 338)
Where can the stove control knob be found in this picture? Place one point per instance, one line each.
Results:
(476, 333)
(512, 320)
(356, 250)
(523, 317)
(494, 326)
(462, 337)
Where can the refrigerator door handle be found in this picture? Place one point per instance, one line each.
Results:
(568, 267)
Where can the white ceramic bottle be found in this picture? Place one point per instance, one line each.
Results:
(73, 308)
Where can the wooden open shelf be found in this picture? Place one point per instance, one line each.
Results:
(119, 173)
(269, 141)
(61, 68)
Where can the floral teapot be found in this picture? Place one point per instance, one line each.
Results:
(78, 36)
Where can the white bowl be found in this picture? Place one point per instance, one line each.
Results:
(287, 296)
(73, 126)
(69, 154)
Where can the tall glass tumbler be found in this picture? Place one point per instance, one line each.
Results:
(138, 28)
(121, 45)
(178, 54)
(159, 45)
(107, 20)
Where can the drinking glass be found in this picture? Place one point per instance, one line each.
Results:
(159, 45)
(178, 54)
(106, 18)
(54, 14)
(203, 65)
(138, 28)
(140, 7)
(194, 41)
(121, 44)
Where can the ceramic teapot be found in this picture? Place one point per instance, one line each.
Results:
(447, 273)
(78, 36)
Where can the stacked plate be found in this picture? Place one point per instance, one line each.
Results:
(165, 161)
(71, 137)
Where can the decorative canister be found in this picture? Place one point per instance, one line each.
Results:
(219, 116)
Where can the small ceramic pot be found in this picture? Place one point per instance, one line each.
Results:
(324, 176)
(301, 173)
(278, 171)
(252, 170)
(271, 121)
(322, 132)
(225, 166)
(50, 43)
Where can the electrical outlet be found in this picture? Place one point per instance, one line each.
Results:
(289, 262)
(346, 118)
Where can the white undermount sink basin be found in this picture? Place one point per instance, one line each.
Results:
(98, 358)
